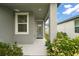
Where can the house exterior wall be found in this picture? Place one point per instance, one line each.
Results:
(69, 28)
(7, 28)
(6, 25)
(27, 38)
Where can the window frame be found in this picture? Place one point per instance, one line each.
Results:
(76, 27)
(75, 30)
(16, 22)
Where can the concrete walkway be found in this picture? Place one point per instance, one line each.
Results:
(38, 48)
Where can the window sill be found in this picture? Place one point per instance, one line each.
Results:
(22, 33)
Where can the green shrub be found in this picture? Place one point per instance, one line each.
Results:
(47, 41)
(62, 35)
(10, 50)
(63, 46)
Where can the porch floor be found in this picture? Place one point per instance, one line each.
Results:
(36, 49)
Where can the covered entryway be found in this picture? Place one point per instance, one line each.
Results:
(22, 17)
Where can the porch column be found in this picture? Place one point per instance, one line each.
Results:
(52, 21)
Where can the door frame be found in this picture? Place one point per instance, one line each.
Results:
(43, 26)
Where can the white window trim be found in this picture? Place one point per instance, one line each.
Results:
(16, 23)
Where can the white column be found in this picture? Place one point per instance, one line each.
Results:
(52, 22)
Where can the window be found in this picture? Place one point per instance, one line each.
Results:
(76, 26)
(21, 23)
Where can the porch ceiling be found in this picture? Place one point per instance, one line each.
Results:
(39, 9)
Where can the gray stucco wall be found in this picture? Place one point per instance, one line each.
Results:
(7, 28)
(27, 38)
(6, 25)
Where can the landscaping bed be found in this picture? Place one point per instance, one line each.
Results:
(62, 45)
(7, 49)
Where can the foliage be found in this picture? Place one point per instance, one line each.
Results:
(47, 39)
(48, 43)
(63, 46)
(62, 35)
(10, 50)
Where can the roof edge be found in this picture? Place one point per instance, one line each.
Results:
(73, 18)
